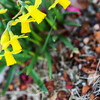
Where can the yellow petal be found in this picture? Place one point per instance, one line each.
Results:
(14, 42)
(64, 3)
(36, 14)
(16, 52)
(16, 45)
(2, 10)
(5, 37)
(24, 17)
(5, 45)
(25, 28)
(37, 3)
(54, 4)
(14, 22)
(9, 58)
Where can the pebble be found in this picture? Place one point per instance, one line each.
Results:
(95, 1)
(80, 66)
(96, 27)
(86, 40)
(83, 83)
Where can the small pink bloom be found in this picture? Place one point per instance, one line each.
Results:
(26, 79)
(69, 87)
(73, 9)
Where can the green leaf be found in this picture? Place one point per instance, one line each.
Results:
(46, 41)
(37, 37)
(10, 77)
(32, 63)
(34, 41)
(22, 57)
(20, 72)
(53, 45)
(47, 54)
(71, 23)
(66, 42)
(51, 23)
(2, 66)
(54, 38)
(38, 81)
(70, 13)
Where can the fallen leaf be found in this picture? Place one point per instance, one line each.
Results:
(92, 78)
(50, 86)
(86, 89)
(97, 36)
(92, 96)
(98, 50)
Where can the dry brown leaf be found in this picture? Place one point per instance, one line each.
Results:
(97, 36)
(54, 68)
(92, 78)
(85, 89)
(92, 96)
(98, 50)
(87, 70)
(90, 58)
(62, 95)
(11, 87)
(50, 86)
(66, 77)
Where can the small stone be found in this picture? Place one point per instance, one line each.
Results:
(96, 27)
(86, 40)
(95, 1)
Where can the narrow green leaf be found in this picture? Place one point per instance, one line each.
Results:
(65, 13)
(37, 37)
(47, 54)
(32, 63)
(66, 42)
(2, 66)
(34, 41)
(20, 72)
(51, 23)
(71, 23)
(38, 81)
(10, 77)
(54, 38)
(53, 45)
(46, 41)
(22, 57)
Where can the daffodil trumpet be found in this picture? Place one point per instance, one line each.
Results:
(9, 57)
(64, 3)
(25, 27)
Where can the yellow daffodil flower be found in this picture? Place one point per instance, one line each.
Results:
(14, 42)
(37, 3)
(9, 57)
(5, 38)
(3, 10)
(25, 27)
(64, 3)
(37, 15)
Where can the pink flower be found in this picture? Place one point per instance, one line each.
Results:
(26, 79)
(73, 9)
(69, 87)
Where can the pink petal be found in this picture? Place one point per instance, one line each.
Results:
(69, 87)
(73, 9)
